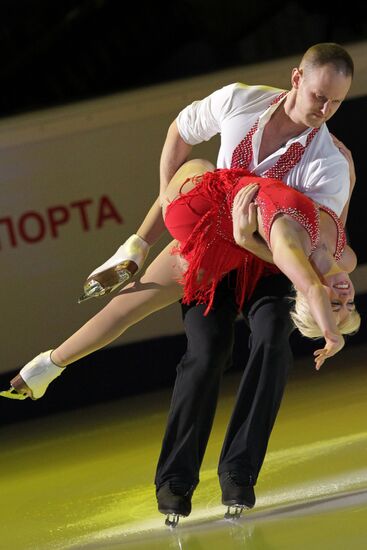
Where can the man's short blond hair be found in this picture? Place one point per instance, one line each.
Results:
(329, 53)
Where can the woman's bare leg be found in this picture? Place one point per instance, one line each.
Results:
(156, 289)
(187, 171)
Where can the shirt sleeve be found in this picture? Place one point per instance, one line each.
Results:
(201, 120)
(329, 182)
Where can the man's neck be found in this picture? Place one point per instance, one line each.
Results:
(278, 130)
(284, 122)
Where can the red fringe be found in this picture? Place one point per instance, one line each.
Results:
(211, 251)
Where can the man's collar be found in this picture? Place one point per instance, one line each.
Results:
(265, 117)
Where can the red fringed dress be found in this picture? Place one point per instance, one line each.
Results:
(201, 221)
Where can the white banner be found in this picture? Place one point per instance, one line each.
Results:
(75, 182)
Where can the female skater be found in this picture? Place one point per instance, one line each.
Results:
(217, 218)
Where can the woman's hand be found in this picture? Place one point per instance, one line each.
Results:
(244, 214)
(333, 344)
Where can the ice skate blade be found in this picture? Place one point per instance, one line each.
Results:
(234, 512)
(12, 394)
(92, 291)
(18, 389)
(172, 520)
(114, 278)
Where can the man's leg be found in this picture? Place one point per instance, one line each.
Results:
(195, 395)
(261, 390)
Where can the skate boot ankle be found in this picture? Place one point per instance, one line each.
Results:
(237, 493)
(116, 272)
(174, 500)
(34, 378)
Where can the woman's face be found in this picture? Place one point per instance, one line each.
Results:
(341, 293)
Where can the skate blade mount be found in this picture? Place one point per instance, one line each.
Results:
(118, 277)
(92, 289)
(234, 512)
(172, 520)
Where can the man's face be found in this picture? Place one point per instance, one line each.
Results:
(320, 92)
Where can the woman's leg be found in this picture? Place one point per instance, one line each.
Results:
(187, 171)
(156, 289)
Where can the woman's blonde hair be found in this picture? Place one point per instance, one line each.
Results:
(304, 321)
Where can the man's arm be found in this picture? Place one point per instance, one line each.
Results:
(174, 153)
(152, 226)
(130, 257)
(199, 122)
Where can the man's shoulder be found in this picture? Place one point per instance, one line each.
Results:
(238, 96)
(325, 142)
(325, 160)
(253, 91)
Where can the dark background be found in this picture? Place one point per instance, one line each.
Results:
(54, 53)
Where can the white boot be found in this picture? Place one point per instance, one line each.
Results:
(117, 271)
(34, 378)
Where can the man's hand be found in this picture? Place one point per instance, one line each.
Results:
(244, 214)
(333, 344)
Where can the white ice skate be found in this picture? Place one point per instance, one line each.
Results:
(116, 272)
(34, 378)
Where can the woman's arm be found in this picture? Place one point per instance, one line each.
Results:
(290, 258)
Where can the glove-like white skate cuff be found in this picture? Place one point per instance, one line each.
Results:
(134, 249)
(39, 372)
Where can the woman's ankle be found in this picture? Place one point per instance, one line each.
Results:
(57, 360)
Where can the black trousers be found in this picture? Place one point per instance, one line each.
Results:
(195, 395)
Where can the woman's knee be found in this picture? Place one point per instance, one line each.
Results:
(189, 170)
(197, 167)
(183, 181)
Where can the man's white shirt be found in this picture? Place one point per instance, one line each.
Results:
(322, 173)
